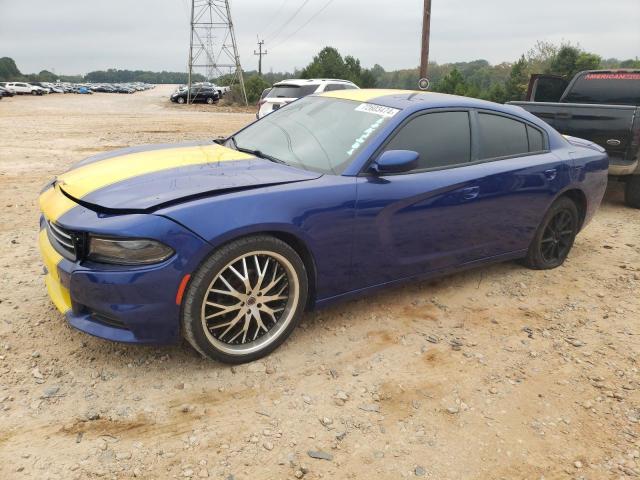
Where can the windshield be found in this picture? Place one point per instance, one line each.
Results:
(315, 133)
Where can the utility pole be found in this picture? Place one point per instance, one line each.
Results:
(260, 53)
(426, 31)
(212, 48)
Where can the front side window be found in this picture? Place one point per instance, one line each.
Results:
(441, 139)
(315, 133)
(500, 136)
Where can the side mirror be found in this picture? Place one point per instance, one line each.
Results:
(395, 161)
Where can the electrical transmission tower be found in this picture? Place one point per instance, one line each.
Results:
(213, 50)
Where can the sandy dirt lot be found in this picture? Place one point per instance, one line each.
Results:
(497, 373)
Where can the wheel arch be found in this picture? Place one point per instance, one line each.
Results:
(295, 241)
(580, 199)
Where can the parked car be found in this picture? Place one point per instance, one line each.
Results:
(287, 91)
(6, 93)
(600, 105)
(22, 88)
(199, 94)
(227, 243)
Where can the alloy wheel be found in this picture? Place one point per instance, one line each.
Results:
(558, 236)
(250, 302)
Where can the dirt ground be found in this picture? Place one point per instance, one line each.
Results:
(497, 373)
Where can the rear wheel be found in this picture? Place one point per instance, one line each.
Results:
(554, 237)
(34, 92)
(632, 191)
(245, 300)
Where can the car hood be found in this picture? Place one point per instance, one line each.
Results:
(143, 178)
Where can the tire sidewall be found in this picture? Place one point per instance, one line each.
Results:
(632, 191)
(192, 327)
(535, 259)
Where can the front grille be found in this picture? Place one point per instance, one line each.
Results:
(62, 240)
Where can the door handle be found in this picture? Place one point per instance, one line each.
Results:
(551, 174)
(470, 193)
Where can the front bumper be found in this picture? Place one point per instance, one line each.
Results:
(124, 304)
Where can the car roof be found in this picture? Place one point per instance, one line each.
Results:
(414, 100)
(299, 82)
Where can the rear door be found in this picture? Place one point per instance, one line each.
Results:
(517, 178)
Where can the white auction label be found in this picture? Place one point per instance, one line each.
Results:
(377, 110)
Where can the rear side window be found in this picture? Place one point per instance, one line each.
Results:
(536, 139)
(333, 86)
(291, 91)
(442, 139)
(500, 136)
(621, 88)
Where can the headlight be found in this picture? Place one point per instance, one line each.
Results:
(127, 251)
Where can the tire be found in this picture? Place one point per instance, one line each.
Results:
(236, 327)
(555, 236)
(34, 92)
(210, 100)
(180, 100)
(632, 191)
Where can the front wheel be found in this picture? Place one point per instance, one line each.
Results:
(245, 300)
(554, 237)
(210, 100)
(632, 191)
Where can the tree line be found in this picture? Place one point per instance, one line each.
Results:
(10, 72)
(478, 78)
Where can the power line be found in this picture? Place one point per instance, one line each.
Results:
(324, 7)
(278, 31)
(275, 16)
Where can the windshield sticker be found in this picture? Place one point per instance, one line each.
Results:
(612, 76)
(386, 112)
(366, 134)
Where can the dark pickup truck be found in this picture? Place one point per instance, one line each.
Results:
(599, 105)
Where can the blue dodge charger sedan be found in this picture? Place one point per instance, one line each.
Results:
(227, 242)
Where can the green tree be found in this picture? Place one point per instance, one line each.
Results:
(9, 69)
(571, 60)
(254, 86)
(453, 83)
(327, 64)
(516, 85)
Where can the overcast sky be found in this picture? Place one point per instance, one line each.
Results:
(77, 36)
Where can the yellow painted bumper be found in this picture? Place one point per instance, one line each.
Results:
(58, 293)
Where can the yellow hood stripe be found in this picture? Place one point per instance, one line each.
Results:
(53, 203)
(365, 95)
(88, 178)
